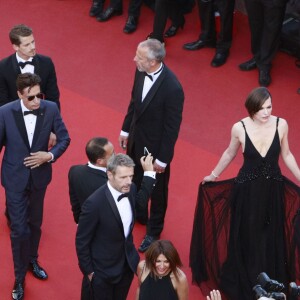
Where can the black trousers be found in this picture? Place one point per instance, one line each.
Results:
(208, 25)
(25, 211)
(158, 203)
(265, 21)
(163, 10)
(99, 289)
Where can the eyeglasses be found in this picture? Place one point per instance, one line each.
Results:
(39, 96)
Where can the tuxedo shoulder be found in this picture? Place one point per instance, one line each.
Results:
(43, 57)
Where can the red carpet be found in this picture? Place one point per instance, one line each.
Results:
(95, 73)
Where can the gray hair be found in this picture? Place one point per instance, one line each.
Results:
(118, 160)
(156, 50)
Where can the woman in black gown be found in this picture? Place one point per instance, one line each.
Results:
(249, 224)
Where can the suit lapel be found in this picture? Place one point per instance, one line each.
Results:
(39, 124)
(19, 119)
(151, 92)
(16, 67)
(114, 208)
(36, 64)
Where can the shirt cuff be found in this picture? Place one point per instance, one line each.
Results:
(150, 174)
(124, 133)
(160, 163)
(52, 157)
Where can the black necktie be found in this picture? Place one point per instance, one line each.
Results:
(123, 196)
(34, 112)
(23, 64)
(149, 76)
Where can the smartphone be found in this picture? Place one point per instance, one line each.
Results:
(146, 151)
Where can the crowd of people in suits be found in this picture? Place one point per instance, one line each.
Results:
(124, 183)
(265, 22)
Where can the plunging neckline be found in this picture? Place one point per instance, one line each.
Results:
(256, 148)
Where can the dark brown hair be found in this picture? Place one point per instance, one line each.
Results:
(95, 148)
(166, 248)
(256, 100)
(27, 80)
(17, 31)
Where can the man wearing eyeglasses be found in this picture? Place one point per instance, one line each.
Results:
(25, 126)
(25, 59)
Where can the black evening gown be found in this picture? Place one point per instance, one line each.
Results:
(247, 225)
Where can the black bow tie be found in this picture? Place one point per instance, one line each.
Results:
(123, 196)
(149, 76)
(34, 112)
(23, 64)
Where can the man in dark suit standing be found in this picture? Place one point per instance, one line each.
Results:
(265, 20)
(153, 121)
(85, 179)
(104, 242)
(26, 60)
(25, 126)
(208, 36)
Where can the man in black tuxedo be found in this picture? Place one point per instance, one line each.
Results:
(153, 121)
(26, 60)
(265, 20)
(208, 36)
(104, 242)
(25, 126)
(85, 179)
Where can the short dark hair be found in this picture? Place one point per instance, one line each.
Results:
(166, 248)
(119, 160)
(17, 31)
(27, 80)
(256, 100)
(94, 148)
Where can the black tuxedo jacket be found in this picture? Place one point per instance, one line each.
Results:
(83, 181)
(100, 242)
(43, 66)
(155, 122)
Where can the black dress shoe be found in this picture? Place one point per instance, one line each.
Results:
(18, 291)
(96, 9)
(37, 270)
(147, 241)
(198, 45)
(108, 13)
(264, 78)
(150, 36)
(219, 59)
(248, 65)
(130, 25)
(172, 30)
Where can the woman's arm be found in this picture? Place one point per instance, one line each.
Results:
(228, 155)
(286, 154)
(139, 272)
(182, 287)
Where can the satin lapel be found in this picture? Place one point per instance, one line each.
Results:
(19, 119)
(36, 64)
(114, 208)
(139, 89)
(132, 210)
(39, 124)
(152, 92)
(15, 65)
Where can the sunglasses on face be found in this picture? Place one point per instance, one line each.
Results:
(39, 96)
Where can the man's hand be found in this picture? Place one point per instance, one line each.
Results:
(158, 168)
(36, 159)
(123, 141)
(52, 140)
(147, 162)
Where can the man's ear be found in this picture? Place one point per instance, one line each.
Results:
(19, 94)
(15, 47)
(109, 174)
